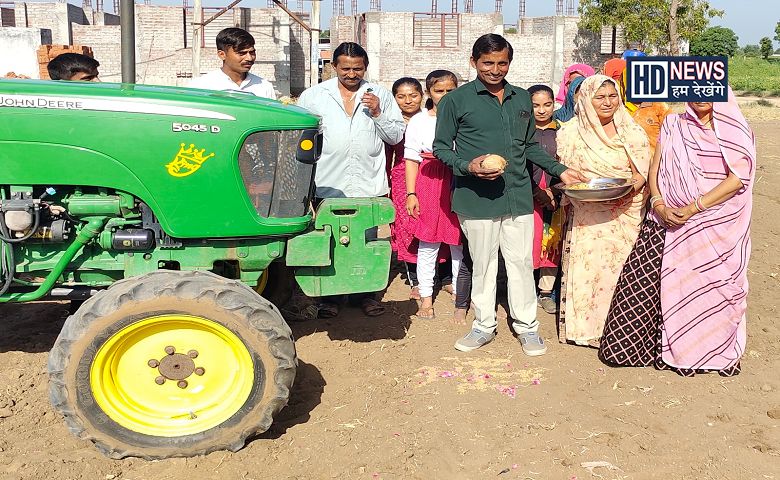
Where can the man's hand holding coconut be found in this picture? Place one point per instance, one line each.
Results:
(492, 166)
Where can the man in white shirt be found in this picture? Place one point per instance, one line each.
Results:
(236, 49)
(358, 118)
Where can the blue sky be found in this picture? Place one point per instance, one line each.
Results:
(750, 19)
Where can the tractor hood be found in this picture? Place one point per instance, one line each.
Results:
(207, 163)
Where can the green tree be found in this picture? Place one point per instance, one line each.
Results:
(650, 23)
(715, 41)
(777, 32)
(325, 34)
(751, 51)
(766, 47)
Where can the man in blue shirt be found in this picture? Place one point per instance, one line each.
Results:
(358, 118)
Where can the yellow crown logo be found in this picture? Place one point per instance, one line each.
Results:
(187, 161)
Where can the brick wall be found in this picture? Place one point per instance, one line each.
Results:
(104, 41)
(390, 42)
(56, 17)
(343, 29)
(533, 59)
(583, 46)
(163, 59)
(271, 29)
(300, 59)
(47, 53)
(543, 47)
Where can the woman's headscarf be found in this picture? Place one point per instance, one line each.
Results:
(734, 137)
(614, 68)
(585, 142)
(566, 112)
(582, 69)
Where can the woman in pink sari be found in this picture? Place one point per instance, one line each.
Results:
(682, 296)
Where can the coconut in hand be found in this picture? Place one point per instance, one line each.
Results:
(494, 162)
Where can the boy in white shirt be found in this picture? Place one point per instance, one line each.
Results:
(236, 49)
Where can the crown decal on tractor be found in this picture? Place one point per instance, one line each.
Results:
(187, 161)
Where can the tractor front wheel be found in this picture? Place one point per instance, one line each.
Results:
(172, 364)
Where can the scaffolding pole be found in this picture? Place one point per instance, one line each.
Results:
(434, 6)
(571, 7)
(499, 6)
(376, 6)
(468, 6)
(197, 40)
(314, 34)
(127, 36)
(521, 13)
(454, 6)
(354, 7)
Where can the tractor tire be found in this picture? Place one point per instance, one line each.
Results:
(172, 364)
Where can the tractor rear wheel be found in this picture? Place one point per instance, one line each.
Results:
(172, 364)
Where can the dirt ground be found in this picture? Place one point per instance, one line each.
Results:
(389, 398)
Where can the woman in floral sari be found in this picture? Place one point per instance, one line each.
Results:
(602, 141)
(682, 296)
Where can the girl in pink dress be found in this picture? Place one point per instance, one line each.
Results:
(408, 93)
(429, 192)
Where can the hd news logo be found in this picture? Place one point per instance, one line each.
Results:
(677, 79)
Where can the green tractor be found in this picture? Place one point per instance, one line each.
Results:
(174, 215)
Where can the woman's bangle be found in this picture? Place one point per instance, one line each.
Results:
(699, 204)
(655, 199)
(409, 194)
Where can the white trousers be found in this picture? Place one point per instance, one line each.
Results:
(514, 236)
(427, 255)
(547, 278)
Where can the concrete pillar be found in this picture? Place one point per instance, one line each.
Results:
(373, 47)
(557, 52)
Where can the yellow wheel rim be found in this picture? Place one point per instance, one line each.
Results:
(172, 375)
(262, 282)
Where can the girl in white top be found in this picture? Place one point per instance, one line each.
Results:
(429, 192)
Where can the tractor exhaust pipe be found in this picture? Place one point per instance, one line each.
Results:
(127, 28)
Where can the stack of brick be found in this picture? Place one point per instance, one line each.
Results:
(47, 53)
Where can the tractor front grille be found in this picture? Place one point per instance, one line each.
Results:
(278, 184)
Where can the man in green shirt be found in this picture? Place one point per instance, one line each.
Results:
(495, 207)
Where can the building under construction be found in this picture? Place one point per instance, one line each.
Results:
(398, 43)
(414, 43)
